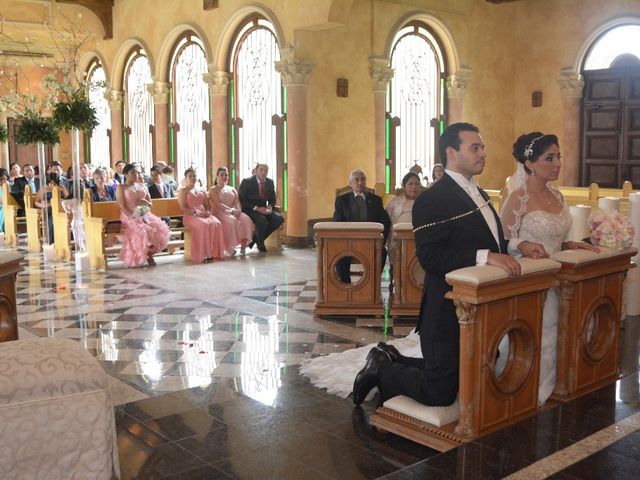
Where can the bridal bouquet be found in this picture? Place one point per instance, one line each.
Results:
(141, 211)
(611, 229)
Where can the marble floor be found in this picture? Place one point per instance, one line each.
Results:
(204, 364)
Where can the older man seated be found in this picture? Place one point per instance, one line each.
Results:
(358, 205)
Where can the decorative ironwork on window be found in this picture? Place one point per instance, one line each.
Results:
(139, 110)
(99, 150)
(619, 45)
(191, 106)
(415, 104)
(257, 98)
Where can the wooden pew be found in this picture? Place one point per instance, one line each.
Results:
(102, 220)
(33, 215)
(61, 227)
(363, 242)
(490, 306)
(11, 218)
(408, 275)
(589, 322)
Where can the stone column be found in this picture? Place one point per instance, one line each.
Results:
(218, 82)
(160, 93)
(571, 84)
(381, 74)
(456, 88)
(116, 99)
(295, 75)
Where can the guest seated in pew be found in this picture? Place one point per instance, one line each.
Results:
(157, 187)
(56, 167)
(455, 226)
(17, 189)
(43, 198)
(436, 173)
(399, 208)
(535, 210)
(143, 233)
(358, 205)
(225, 204)
(258, 199)
(4, 179)
(119, 173)
(15, 172)
(101, 190)
(207, 239)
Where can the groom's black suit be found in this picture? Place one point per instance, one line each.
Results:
(440, 249)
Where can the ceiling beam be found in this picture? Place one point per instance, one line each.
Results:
(102, 9)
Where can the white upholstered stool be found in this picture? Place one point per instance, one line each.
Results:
(56, 417)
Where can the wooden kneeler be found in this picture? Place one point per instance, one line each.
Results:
(489, 306)
(408, 275)
(591, 286)
(363, 242)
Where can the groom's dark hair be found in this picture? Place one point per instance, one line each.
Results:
(451, 138)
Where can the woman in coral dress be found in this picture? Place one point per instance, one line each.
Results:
(237, 226)
(207, 240)
(143, 233)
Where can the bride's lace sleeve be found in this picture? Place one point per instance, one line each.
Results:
(512, 212)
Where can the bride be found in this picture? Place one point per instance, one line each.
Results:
(534, 211)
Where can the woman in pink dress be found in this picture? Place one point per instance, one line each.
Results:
(143, 233)
(237, 226)
(207, 240)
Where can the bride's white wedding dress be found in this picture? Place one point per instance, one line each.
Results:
(337, 371)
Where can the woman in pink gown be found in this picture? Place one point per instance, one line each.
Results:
(207, 240)
(143, 233)
(237, 226)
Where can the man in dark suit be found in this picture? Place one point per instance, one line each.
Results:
(157, 188)
(19, 184)
(455, 226)
(358, 205)
(119, 175)
(258, 197)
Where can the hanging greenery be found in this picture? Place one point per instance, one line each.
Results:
(76, 113)
(37, 129)
(4, 134)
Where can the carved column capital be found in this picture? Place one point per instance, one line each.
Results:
(571, 84)
(115, 98)
(381, 73)
(159, 91)
(218, 81)
(295, 71)
(457, 84)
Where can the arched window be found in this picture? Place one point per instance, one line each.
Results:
(415, 104)
(98, 145)
(610, 114)
(256, 106)
(190, 106)
(138, 110)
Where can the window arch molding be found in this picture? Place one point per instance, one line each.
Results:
(97, 143)
(122, 57)
(168, 47)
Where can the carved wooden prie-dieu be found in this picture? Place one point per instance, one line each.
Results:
(362, 241)
(591, 286)
(408, 275)
(490, 306)
(9, 268)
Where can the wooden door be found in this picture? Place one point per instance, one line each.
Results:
(611, 127)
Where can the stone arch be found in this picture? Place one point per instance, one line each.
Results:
(87, 57)
(166, 50)
(441, 30)
(120, 61)
(219, 61)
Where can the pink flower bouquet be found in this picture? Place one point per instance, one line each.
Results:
(611, 229)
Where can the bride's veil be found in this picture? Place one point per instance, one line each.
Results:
(512, 213)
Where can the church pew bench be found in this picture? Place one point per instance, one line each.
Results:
(11, 218)
(62, 245)
(102, 222)
(33, 215)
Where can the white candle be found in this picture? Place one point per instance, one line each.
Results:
(632, 283)
(609, 203)
(580, 225)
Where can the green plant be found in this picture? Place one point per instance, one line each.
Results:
(4, 134)
(76, 113)
(37, 129)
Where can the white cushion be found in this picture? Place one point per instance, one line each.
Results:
(585, 256)
(378, 227)
(403, 226)
(487, 273)
(437, 416)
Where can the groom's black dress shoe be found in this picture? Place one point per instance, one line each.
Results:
(367, 378)
(390, 350)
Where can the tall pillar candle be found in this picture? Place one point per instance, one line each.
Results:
(580, 222)
(632, 283)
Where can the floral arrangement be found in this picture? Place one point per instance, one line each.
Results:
(4, 134)
(611, 229)
(37, 129)
(141, 211)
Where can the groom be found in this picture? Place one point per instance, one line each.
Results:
(455, 226)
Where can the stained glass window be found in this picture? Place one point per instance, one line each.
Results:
(191, 107)
(139, 109)
(416, 99)
(99, 143)
(257, 94)
(617, 42)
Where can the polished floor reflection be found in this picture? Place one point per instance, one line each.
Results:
(204, 360)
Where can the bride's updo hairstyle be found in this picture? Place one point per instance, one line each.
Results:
(531, 145)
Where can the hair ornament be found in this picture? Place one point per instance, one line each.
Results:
(528, 152)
